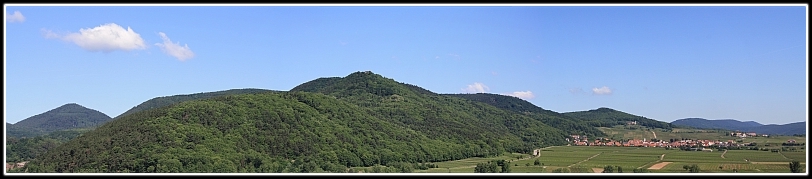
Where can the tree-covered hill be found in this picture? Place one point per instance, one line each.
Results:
(363, 119)
(606, 117)
(554, 119)
(68, 116)
(748, 126)
(729, 124)
(169, 100)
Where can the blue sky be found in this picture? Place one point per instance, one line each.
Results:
(739, 62)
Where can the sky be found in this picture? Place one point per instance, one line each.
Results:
(664, 62)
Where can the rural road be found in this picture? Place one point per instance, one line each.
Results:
(655, 134)
(723, 154)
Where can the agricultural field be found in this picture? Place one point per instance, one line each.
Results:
(590, 159)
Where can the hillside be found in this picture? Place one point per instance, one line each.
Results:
(554, 119)
(749, 126)
(362, 119)
(174, 99)
(68, 116)
(729, 124)
(606, 117)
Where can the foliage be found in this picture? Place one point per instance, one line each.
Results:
(493, 166)
(605, 117)
(170, 100)
(554, 119)
(608, 169)
(795, 167)
(692, 168)
(361, 120)
(68, 116)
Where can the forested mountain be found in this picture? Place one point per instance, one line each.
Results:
(749, 126)
(169, 100)
(68, 116)
(783, 129)
(554, 119)
(20, 149)
(606, 117)
(362, 119)
(729, 124)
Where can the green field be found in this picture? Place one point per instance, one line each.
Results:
(582, 159)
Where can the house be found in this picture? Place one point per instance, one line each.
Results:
(751, 134)
(631, 122)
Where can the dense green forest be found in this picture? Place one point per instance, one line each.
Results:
(363, 119)
(68, 116)
(169, 100)
(20, 149)
(554, 119)
(606, 117)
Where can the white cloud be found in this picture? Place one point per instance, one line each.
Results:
(49, 34)
(172, 49)
(106, 38)
(476, 88)
(15, 17)
(522, 94)
(602, 91)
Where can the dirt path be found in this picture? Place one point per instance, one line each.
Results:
(723, 154)
(658, 166)
(782, 154)
(587, 159)
(597, 170)
(655, 134)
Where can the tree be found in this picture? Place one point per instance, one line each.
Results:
(608, 169)
(619, 169)
(536, 162)
(795, 167)
(694, 168)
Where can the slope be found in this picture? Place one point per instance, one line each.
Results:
(554, 119)
(169, 100)
(364, 120)
(606, 117)
(729, 124)
(68, 116)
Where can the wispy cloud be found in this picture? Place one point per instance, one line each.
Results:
(15, 17)
(602, 91)
(106, 38)
(522, 94)
(454, 56)
(476, 88)
(174, 49)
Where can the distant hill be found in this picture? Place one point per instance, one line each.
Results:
(169, 100)
(606, 117)
(749, 126)
(68, 116)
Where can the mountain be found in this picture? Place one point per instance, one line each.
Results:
(606, 117)
(554, 119)
(783, 129)
(68, 116)
(729, 124)
(169, 100)
(749, 126)
(324, 125)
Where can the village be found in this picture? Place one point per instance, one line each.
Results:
(582, 140)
